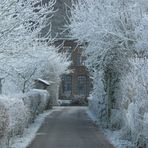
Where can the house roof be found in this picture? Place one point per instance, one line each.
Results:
(44, 81)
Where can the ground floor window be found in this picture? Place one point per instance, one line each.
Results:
(81, 85)
(67, 84)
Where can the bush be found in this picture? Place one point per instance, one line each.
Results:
(16, 113)
(13, 119)
(4, 119)
(79, 100)
(134, 103)
(116, 119)
(36, 101)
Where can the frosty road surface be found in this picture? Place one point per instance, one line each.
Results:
(69, 127)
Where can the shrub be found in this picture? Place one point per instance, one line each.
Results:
(79, 100)
(17, 112)
(4, 119)
(17, 115)
(36, 101)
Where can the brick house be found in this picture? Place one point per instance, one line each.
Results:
(77, 84)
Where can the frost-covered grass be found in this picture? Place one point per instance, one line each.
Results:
(29, 134)
(92, 116)
(113, 136)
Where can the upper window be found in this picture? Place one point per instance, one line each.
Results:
(80, 57)
(68, 50)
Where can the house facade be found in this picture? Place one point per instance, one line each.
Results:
(76, 84)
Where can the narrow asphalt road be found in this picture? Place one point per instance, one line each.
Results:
(69, 128)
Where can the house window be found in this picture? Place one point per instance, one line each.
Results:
(81, 88)
(80, 57)
(67, 84)
(80, 60)
(68, 50)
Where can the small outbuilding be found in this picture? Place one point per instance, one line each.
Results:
(42, 84)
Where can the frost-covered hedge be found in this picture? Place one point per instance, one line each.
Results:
(17, 112)
(97, 102)
(14, 118)
(116, 31)
(124, 104)
(36, 101)
(134, 101)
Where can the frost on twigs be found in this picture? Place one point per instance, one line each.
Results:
(134, 94)
(4, 120)
(18, 112)
(25, 55)
(13, 119)
(116, 56)
(36, 101)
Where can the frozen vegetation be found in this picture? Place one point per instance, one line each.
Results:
(26, 55)
(30, 132)
(18, 112)
(116, 37)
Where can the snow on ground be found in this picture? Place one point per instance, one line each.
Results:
(112, 136)
(92, 116)
(30, 132)
(64, 102)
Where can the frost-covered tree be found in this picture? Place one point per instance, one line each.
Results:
(106, 25)
(21, 71)
(115, 31)
(22, 22)
(25, 52)
(134, 103)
